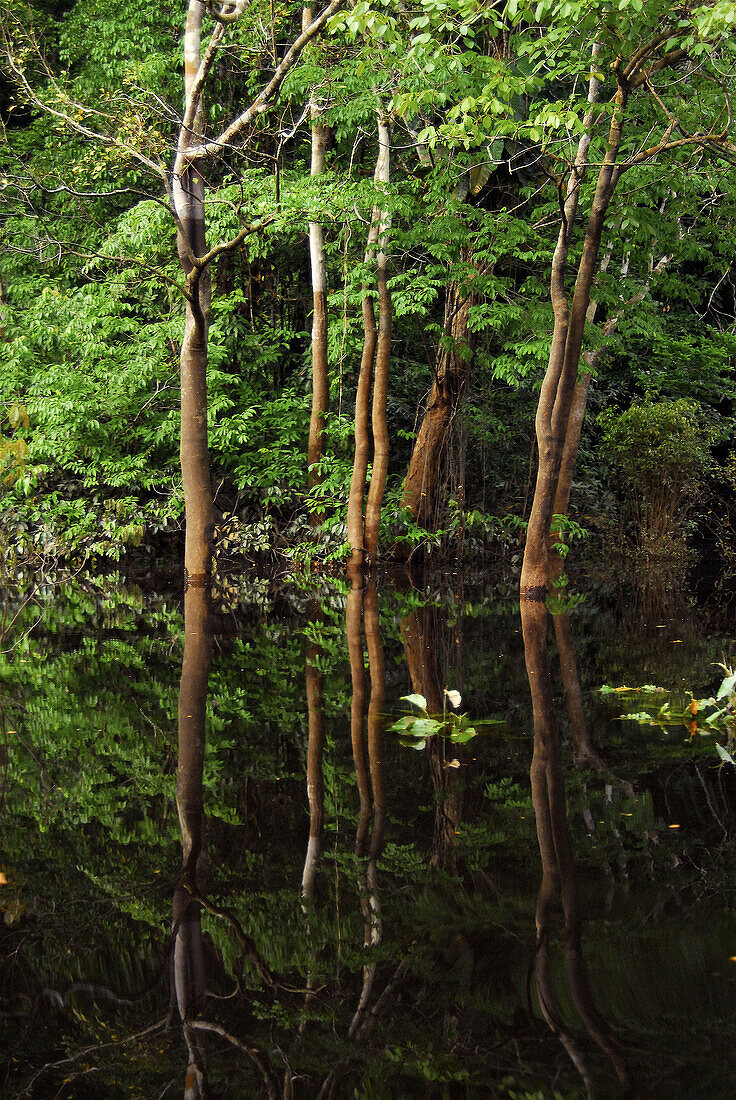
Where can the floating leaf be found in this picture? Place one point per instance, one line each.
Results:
(416, 700)
(463, 736)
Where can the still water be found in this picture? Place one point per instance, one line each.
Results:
(223, 874)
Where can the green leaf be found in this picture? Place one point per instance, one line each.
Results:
(727, 686)
(416, 700)
(725, 755)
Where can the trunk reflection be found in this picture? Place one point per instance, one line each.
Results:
(315, 682)
(188, 954)
(558, 864)
(419, 635)
(368, 759)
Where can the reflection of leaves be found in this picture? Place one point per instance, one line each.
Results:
(463, 735)
(725, 755)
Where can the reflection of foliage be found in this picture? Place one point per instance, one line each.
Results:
(91, 695)
(415, 729)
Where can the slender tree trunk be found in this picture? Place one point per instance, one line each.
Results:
(188, 197)
(584, 753)
(356, 538)
(355, 521)
(451, 373)
(320, 369)
(379, 472)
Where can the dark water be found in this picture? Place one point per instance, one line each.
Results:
(426, 941)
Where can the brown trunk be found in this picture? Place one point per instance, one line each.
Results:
(451, 372)
(362, 437)
(188, 197)
(379, 472)
(355, 523)
(583, 752)
(320, 368)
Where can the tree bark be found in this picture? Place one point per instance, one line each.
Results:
(451, 373)
(355, 520)
(188, 197)
(320, 368)
(379, 472)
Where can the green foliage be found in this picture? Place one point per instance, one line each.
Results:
(415, 730)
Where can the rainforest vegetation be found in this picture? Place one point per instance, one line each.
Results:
(291, 295)
(309, 275)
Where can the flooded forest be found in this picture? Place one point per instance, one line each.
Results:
(367, 549)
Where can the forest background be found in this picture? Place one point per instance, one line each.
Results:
(429, 160)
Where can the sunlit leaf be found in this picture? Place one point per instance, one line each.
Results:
(416, 700)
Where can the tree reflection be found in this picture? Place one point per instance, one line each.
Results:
(558, 865)
(315, 684)
(368, 760)
(188, 984)
(419, 635)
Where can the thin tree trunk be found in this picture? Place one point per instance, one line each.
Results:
(379, 472)
(355, 522)
(451, 372)
(188, 197)
(584, 753)
(320, 369)
(356, 537)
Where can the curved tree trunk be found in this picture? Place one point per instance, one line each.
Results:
(451, 373)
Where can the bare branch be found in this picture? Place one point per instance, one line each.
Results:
(231, 135)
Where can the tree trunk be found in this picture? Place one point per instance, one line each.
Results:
(356, 525)
(451, 372)
(379, 472)
(188, 198)
(320, 369)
